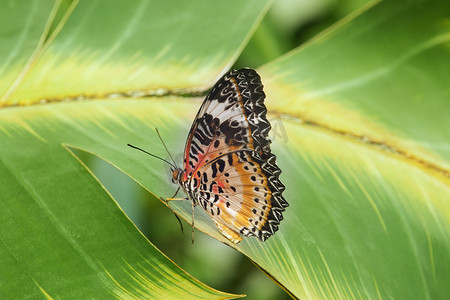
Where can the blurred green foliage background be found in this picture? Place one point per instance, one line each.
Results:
(287, 25)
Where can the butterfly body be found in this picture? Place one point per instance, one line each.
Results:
(228, 168)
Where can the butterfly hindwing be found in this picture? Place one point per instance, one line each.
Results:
(237, 193)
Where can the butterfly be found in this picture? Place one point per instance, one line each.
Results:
(228, 167)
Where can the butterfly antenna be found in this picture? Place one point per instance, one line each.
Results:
(159, 135)
(129, 145)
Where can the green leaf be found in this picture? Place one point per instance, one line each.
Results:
(101, 48)
(62, 235)
(365, 107)
(359, 119)
(369, 210)
(374, 77)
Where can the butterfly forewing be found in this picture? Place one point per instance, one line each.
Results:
(222, 124)
(228, 166)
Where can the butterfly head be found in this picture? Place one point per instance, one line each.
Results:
(177, 174)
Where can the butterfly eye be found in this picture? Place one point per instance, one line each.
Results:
(175, 173)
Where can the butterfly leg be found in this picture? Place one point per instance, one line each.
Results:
(178, 189)
(228, 232)
(172, 199)
(167, 201)
(192, 230)
(179, 199)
